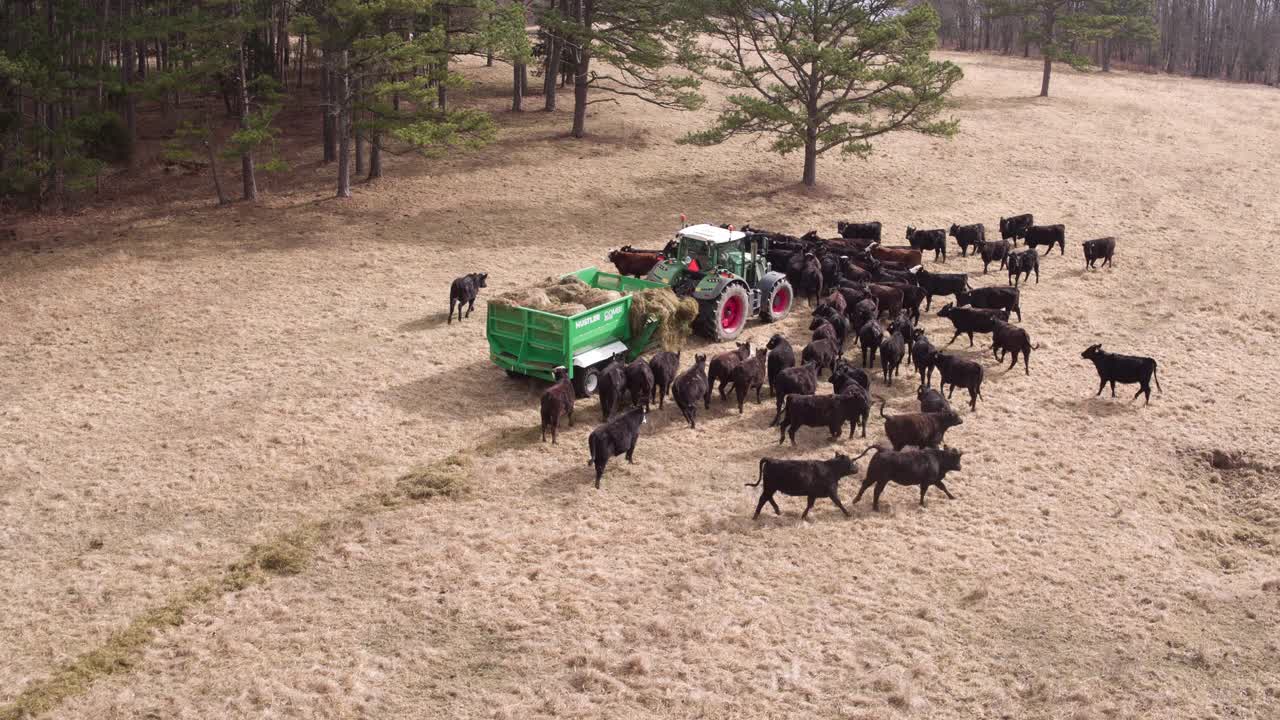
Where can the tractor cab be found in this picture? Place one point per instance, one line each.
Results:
(725, 271)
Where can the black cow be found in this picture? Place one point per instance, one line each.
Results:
(971, 320)
(955, 371)
(931, 400)
(935, 240)
(665, 365)
(869, 336)
(1049, 235)
(613, 385)
(801, 380)
(923, 467)
(829, 411)
(463, 291)
(1125, 369)
(1023, 263)
(859, 230)
(939, 284)
(803, 478)
(967, 235)
(892, 348)
(689, 389)
(1015, 227)
(822, 353)
(557, 400)
(1100, 249)
(1011, 339)
(639, 377)
(993, 251)
(780, 357)
(614, 438)
(993, 298)
(922, 352)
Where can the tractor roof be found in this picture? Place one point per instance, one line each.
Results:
(711, 234)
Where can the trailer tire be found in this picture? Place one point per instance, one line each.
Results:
(585, 381)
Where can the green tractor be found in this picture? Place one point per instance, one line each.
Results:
(726, 272)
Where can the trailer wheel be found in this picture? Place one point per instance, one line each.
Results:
(724, 318)
(585, 381)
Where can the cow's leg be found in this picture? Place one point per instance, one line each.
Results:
(1102, 384)
(954, 337)
(1014, 363)
(924, 488)
(836, 499)
(951, 391)
(1026, 361)
(782, 432)
(776, 510)
(945, 491)
(450, 321)
(875, 495)
(765, 496)
(632, 450)
(600, 465)
(808, 507)
(973, 399)
(865, 484)
(1113, 388)
(792, 434)
(544, 433)
(970, 339)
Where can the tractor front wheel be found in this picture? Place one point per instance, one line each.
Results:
(777, 304)
(725, 317)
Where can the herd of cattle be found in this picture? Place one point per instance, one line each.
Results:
(862, 294)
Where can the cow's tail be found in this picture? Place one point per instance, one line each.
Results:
(864, 452)
(1155, 374)
(591, 448)
(760, 477)
(877, 397)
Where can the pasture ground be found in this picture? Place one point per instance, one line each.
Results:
(216, 411)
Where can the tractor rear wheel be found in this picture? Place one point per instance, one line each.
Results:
(777, 304)
(725, 317)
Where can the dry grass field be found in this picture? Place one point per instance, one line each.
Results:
(211, 416)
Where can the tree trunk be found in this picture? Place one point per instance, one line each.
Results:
(1044, 80)
(330, 110)
(1106, 55)
(217, 175)
(442, 90)
(302, 44)
(246, 157)
(358, 133)
(344, 127)
(580, 76)
(517, 88)
(126, 76)
(555, 48)
(810, 162)
(375, 157)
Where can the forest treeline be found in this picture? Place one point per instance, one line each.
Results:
(378, 76)
(1224, 39)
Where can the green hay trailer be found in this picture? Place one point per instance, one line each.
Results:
(524, 341)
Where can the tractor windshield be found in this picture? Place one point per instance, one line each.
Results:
(699, 250)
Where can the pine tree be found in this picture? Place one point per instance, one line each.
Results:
(639, 40)
(817, 75)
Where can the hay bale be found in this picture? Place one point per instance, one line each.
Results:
(566, 309)
(675, 315)
(534, 298)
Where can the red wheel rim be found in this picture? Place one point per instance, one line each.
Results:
(781, 300)
(733, 313)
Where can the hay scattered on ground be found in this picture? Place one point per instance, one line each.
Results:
(566, 296)
(675, 316)
(447, 478)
